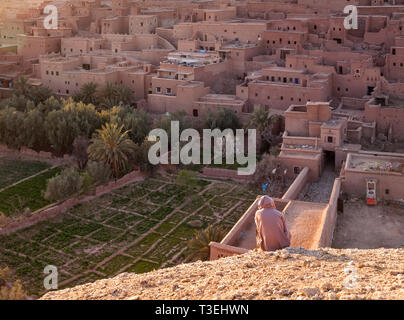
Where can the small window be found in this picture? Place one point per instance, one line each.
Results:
(195, 112)
(387, 191)
(330, 139)
(158, 89)
(296, 170)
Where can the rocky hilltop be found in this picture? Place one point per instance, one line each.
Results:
(293, 273)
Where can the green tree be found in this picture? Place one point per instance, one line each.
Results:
(164, 121)
(259, 120)
(72, 121)
(87, 94)
(39, 94)
(264, 123)
(222, 119)
(199, 245)
(11, 121)
(18, 102)
(34, 133)
(21, 87)
(140, 156)
(49, 105)
(112, 146)
(114, 95)
(138, 122)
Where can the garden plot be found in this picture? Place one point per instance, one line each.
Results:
(140, 227)
(26, 194)
(13, 170)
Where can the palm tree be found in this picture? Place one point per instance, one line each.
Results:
(87, 93)
(123, 95)
(259, 120)
(112, 147)
(264, 123)
(111, 95)
(200, 243)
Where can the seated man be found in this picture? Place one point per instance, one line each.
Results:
(272, 232)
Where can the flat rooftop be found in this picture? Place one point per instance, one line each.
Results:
(366, 162)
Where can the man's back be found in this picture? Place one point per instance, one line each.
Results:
(272, 232)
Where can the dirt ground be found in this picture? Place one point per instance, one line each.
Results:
(365, 227)
(320, 191)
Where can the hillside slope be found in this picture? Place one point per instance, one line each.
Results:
(293, 273)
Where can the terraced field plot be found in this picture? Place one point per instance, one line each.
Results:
(27, 194)
(138, 228)
(13, 170)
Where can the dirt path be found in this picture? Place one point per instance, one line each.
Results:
(320, 191)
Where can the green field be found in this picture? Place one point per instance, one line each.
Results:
(13, 170)
(138, 228)
(26, 194)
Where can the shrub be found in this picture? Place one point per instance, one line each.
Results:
(64, 185)
(140, 157)
(99, 172)
(88, 184)
(9, 290)
(187, 178)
